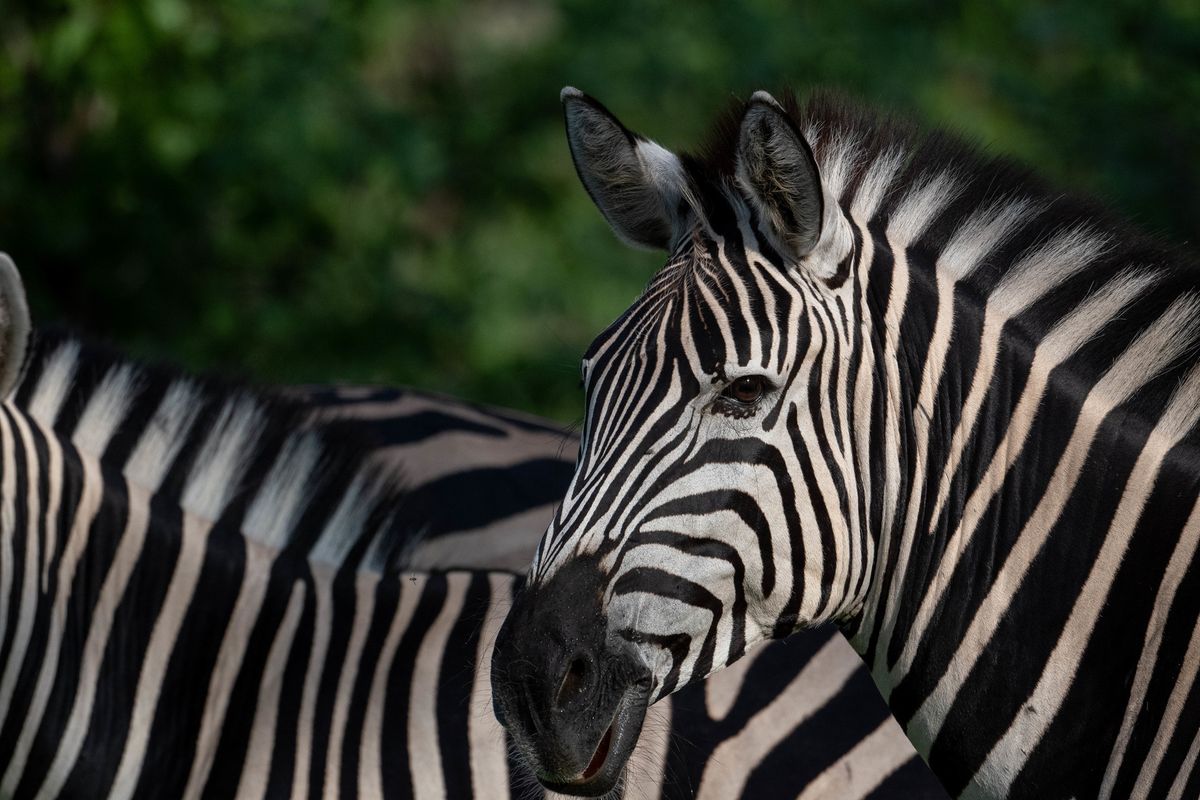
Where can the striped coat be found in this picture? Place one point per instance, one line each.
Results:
(886, 381)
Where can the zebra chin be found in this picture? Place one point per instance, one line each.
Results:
(572, 697)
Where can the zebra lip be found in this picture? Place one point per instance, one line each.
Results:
(600, 756)
(612, 751)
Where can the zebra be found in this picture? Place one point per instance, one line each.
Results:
(200, 596)
(892, 383)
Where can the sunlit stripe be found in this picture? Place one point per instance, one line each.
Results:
(971, 243)
(486, 739)
(256, 767)
(1155, 349)
(112, 594)
(1085, 321)
(85, 513)
(429, 782)
(912, 216)
(1181, 558)
(1058, 671)
(372, 748)
(822, 677)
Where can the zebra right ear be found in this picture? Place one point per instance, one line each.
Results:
(635, 183)
(14, 325)
(775, 166)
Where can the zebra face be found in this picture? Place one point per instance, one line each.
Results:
(685, 537)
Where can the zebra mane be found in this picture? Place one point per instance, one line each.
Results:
(854, 146)
(252, 460)
(848, 138)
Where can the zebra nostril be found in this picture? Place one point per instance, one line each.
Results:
(574, 682)
(525, 710)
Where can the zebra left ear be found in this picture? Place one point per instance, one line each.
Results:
(14, 325)
(635, 183)
(776, 168)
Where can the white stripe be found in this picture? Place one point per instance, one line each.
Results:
(89, 503)
(1168, 728)
(914, 213)
(503, 544)
(87, 682)
(371, 745)
(445, 454)
(1181, 558)
(55, 381)
(1085, 321)
(423, 753)
(53, 468)
(1154, 350)
(259, 752)
(364, 608)
(322, 629)
(105, 411)
(721, 690)
(970, 244)
(859, 772)
(217, 472)
(837, 160)
(228, 666)
(345, 525)
(158, 653)
(822, 678)
(874, 186)
(285, 492)
(1009, 754)
(1185, 770)
(1035, 275)
(8, 522)
(1181, 415)
(164, 435)
(485, 736)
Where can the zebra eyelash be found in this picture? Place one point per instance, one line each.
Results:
(728, 406)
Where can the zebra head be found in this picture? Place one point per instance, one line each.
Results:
(713, 504)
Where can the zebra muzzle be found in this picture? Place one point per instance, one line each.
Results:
(572, 698)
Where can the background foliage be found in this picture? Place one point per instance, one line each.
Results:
(316, 190)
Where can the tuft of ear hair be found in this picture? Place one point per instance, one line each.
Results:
(776, 169)
(14, 325)
(636, 184)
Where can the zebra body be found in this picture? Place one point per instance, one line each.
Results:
(512, 466)
(886, 382)
(203, 593)
(171, 632)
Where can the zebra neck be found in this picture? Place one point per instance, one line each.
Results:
(949, 385)
(1037, 456)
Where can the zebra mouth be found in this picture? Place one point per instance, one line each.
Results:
(612, 751)
(599, 757)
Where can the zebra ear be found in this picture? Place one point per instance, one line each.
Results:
(776, 168)
(636, 184)
(14, 325)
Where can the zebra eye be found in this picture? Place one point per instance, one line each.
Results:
(746, 389)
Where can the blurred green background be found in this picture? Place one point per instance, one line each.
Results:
(380, 191)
